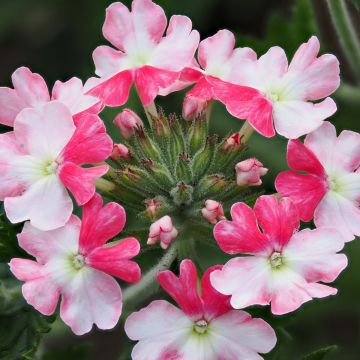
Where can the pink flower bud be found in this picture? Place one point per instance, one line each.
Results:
(249, 172)
(152, 207)
(120, 151)
(127, 122)
(162, 230)
(213, 211)
(193, 107)
(232, 142)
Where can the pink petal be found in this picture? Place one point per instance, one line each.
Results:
(241, 235)
(295, 118)
(346, 154)
(91, 297)
(183, 289)
(46, 204)
(89, 143)
(202, 90)
(149, 81)
(278, 219)
(80, 181)
(114, 260)
(99, 223)
(273, 63)
(305, 191)
(10, 105)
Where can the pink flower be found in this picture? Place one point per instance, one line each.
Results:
(249, 172)
(286, 266)
(329, 190)
(73, 262)
(31, 91)
(213, 211)
(193, 107)
(42, 158)
(289, 89)
(232, 142)
(204, 328)
(148, 59)
(162, 230)
(127, 122)
(120, 151)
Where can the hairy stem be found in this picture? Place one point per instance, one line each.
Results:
(245, 132)
(151, 112)
(347, 34)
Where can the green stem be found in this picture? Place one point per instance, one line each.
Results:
(104, 185)
(209, 110)
(151, 112)
(346, 32)
(245, 132)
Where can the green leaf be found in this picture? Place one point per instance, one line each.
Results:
(320, 354)
(356, 4)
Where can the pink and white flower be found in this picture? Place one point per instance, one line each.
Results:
(249, 172)
(286, 266)
(31, 91)
(73, 262)
(213, 211)
(146, 58)
(289, 90)
(329, 190)
(127, 121)
(42, 158)
(162, 230)
(204, 328)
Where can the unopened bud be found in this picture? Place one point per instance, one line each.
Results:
(182, 194)
(162, 230)
(183, 168)
(249, 172)
(127, 122)
(232, 142)
(120, 151)
(213, 211)
(203, 158)
(152, 208)
(193, 107)
(212, 184)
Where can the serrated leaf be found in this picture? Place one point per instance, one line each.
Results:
(320, 354)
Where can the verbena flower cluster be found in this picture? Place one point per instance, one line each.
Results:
(181, 181)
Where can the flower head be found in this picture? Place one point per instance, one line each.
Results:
(74, 263)
(286, 266)
(249, 172)
(42, 158)
(204, 328)
(162, 230)
(329, 190)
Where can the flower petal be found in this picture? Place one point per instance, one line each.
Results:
(10, 105)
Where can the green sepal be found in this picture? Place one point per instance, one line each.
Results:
(197, 134)
(203, 158)
(183, 168)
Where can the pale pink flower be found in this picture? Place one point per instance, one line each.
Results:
(42, 158)
(162, 230)
(146, 58)
(289, 90)
(73, 262)
(120, 151)
(213, 211)
(31, 91)
(328, 187)
(249, 172)
(286, 266)
(127, 122)
(204, 328)
(193, 107)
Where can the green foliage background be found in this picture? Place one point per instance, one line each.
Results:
(56, 38)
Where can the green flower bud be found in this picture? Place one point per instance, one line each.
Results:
(182, 194)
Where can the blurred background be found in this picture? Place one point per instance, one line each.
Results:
(56, 38)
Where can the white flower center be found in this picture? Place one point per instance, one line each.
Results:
(50, 168)
(201, 327)
(334, 184)
(276, 260)
(78, 261)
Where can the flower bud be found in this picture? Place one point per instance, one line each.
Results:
(162, 230)
(127, 122)
(152, 208)
(249, 172)
(232, 142)
(120, 151)
(193, 107)
(182, 194)
(213, 211)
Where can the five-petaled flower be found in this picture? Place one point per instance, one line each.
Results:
(286, 266)
(74, 262)
(42, 158)
(329, 191)
(204, 328)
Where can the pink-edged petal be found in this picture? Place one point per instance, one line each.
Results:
(39, 291)
(313, 254)
(236, 335)
(89, 143)
(305, 54)
(80, 181)
(279, 219)
(46, 204)
(241, 235)
(273, 64)
(305, 191)
(43, 245)
(114, 260)
(202, 90)
(30, 87)
(183, 289)
(161, 329)
(149, 81)
(99, 223)
(10, 105)
(46, 131)
(91, 297)
(113, 91)
(176, 50)
(295, 118)
(338, 212)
